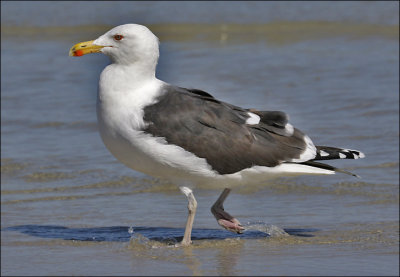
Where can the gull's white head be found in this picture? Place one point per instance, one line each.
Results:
(125, 44)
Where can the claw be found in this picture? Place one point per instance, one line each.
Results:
(224, 219)
(232, 225)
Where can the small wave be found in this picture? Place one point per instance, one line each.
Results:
(280, 32)
(47, 176)
(72, 125)
(381, 165)
(123, 181)
(8, 166)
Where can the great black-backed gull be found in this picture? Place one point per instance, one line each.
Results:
(186, 135)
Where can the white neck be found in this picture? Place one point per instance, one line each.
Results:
(127, 90)
(119, 77)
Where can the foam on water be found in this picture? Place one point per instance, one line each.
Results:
(269, 229)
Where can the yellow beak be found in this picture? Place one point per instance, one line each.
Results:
(84, 48)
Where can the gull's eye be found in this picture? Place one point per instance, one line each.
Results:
(118, 37)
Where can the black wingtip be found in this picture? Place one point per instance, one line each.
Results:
(329, 167)
(347, 172)
(332, 153)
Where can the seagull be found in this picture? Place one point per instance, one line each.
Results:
(186, 135)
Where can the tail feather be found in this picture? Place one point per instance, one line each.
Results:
(331, 153)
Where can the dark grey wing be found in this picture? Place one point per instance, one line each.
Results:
(272, 118)
(218, 132)
(275, 122)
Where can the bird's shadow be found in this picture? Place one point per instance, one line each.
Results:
(124, 234)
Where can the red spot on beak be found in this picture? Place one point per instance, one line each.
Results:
(78, 53)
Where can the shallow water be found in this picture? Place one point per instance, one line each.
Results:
(69, 208)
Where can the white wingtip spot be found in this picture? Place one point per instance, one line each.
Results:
(289, 128)
(342, 156)
(186, 191)
(323, 153)
(253, 119)
(356, 154)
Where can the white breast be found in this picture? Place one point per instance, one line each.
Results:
(120, 117)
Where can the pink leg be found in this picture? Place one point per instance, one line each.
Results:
(192, 206)
(223, 218)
